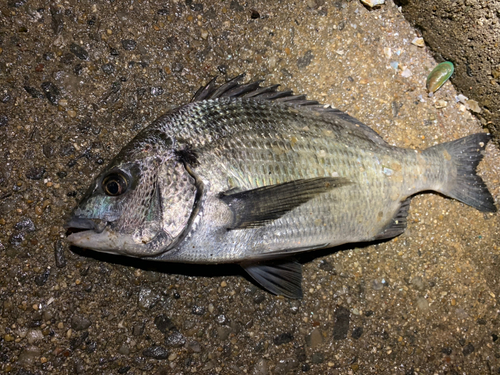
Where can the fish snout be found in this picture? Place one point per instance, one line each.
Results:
(77, 224)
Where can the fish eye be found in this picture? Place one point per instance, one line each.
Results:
(114, 184)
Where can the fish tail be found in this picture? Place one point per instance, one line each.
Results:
(463, 183)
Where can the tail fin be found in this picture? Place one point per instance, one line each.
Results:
(467, 186)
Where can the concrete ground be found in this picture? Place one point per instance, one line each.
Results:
(78, 80)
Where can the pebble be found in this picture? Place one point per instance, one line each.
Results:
(35, 173)
(261, 367)
(147, 298)
(77, 342)
(440, 104)
(108, 68)
(47, 315)
(8, 337)
(124, 349)
(223, 333)
(67, 58)
(317, 358)
(326, 266)
(221, 319)
(357, 333)
(341, 325)
(446, 351)
(377, 285)
(51, 92)
(33, 92)
(373, 3)
(156, 91)
(4, 120)
(283, 338)
(16, 239)
(138, 329)
(285, 366)
(474, 106)
(418, 282)
(419, 42)
(79, 51)
(79, 323)
(422, 304)
(25, 225)
(468, 349)
(67, 149)
(42, 278)
(177, 67)
(34, 335)
(48, 150)
(5, 96)
(194, 346)
(124, 369)
(315, 338)
(59, 256)
(164, 324)
(176, 339)
(28, 356)
(172, 357)
(406, 73)
(156, 352)
(198, 310)
(57, 19)
(305, 60)
(129, 44)
(204, 34)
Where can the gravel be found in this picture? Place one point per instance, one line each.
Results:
(426, 302)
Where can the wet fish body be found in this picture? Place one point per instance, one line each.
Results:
(251, 175)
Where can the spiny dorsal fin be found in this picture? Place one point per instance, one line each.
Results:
(253, 90)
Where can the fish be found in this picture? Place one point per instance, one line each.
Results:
(251, 175)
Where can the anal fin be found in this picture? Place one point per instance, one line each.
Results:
(280, 278)
(397, 225)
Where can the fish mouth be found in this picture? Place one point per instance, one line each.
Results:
(80, 224)
(84, 232)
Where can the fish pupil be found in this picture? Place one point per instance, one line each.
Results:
(114, 185)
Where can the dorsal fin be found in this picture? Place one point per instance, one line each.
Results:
(253, 90)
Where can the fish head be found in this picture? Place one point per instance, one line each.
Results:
(139, 205)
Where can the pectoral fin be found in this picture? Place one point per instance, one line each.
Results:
(284, 279)
(256, 207)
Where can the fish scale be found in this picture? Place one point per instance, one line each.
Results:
(250, 175)
(252, 160)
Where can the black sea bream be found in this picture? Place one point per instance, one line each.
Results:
(250, 175)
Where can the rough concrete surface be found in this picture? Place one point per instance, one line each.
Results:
(78, 80)
(466, 32)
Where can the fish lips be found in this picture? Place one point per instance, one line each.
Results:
(79, 230)
(78, 224)
(91, 234)
(98, 235)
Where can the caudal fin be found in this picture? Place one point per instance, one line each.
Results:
(467, 186)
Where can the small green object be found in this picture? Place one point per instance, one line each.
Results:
(439, 75)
